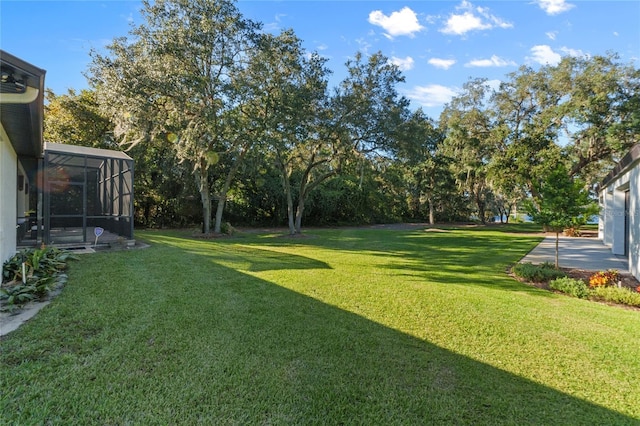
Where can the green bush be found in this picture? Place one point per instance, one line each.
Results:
(537, 273)
(41, 273)
(571, 286)
(621, 295)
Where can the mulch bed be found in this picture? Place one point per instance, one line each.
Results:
(626, 280)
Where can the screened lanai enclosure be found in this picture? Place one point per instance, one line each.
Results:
(84, 189)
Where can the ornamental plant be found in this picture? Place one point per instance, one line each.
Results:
(603, 278)
(31, 274)
(571, 286)
(561, 202)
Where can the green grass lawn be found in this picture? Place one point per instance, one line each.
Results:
(339, 327)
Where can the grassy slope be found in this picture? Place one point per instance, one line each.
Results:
(346, 326)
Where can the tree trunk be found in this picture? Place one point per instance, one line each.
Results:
(222, 197)
(222, 200)
(480, 205)
(202, 181)
(432, 213)
(286, 183)
(508, 213)
(290, 211)
(299, 211)
(304, 190)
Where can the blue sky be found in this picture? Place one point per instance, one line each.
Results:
(439, 44)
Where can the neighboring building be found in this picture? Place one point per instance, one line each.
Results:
(21, 118)
(620, 210)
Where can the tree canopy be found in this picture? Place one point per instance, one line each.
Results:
(216, 111)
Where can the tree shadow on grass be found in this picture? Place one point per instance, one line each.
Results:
(247, 351)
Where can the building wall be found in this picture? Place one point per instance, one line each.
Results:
(8, 199)
(634, 222)
(613, 214)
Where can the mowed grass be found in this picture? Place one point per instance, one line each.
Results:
(339, 327)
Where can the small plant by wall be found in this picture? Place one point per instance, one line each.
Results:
(544, 272)
(604, 278)
(574, 287)
(31, 274)
(603, 286)
(621, 295)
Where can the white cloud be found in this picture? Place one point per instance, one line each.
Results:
(271, 27)
(494, 61)
(551, 34)
(472, 19)
(363, 45)
(275, 25)
(555, 7)
(544, 55)
(573, 52)
(432, 95)
(445, 64)
(403, 22)
(461, 24)
(404, 64)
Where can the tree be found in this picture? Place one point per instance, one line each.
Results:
(76, 119)
(180, 78)
(560, 202)
(367, 113)
(312, 135)
(358, 121)
(600, 113)
(367, 106)
(525, 132)
(418, 150)
(289, 110)
(469, 143)
(586, 107)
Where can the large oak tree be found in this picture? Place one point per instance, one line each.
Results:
(179, 77)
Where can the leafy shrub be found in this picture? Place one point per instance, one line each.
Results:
(41, 273)
(621, 295)
(603, 278)
(17, 294)
(227, 228)
(571, 286)
(537, 273)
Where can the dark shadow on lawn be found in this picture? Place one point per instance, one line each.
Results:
(261, 354)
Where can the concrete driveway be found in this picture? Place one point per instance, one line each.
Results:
(577, 253)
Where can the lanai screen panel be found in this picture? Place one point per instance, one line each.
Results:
(86, 188)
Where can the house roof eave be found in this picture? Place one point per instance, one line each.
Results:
(22, 104)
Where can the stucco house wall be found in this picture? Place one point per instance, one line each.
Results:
(21, 128)
(8, 198)
(620, 210)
